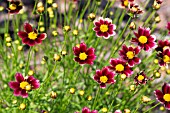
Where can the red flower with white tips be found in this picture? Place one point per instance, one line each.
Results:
(104, 27)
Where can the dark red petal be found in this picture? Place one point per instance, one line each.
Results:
(96, 29)
(140, 31)
(35, 84)
(76, 51)
(14, 85)
(38, 41)
(94, 111)
(105, 71)
(28, 27)
(90, 51)
(17, 92)
(106, 35)
(42, 36)
(159, 96)
(99, 34)
(131, 63)
(167, 105)
(25, 40)
(166, 88)
(31, 42)
(22, 34)
(124, 48)
(102, 85)
(85, 110)
(24, 94)
(19, 78)
(83, 47)
(97, 24)
(137, 50)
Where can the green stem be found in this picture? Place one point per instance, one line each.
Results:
(95, 100)
(28, 60)
(151, 108)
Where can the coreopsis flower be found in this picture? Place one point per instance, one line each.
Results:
(129, 55)
(83, 54)
(120, 66)
(164, 96)
(104, 27)
(104, 77)
(30, 36)
(23, 85)
(144, 39)
(164, 57)
(125, 3)
(168, 26)
(87, 110)
(163, 45)
(14, 7)
(141, 78)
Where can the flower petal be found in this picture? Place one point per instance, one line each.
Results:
(13, 85)
(22, 34)
(28, 27)
(19, 78)
(24, 94)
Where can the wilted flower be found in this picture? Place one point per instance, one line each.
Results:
(22, 86)
(14, 7)
(129, 55)
(145, 99)
(164, 96)
(120, 66)
(104, 27)
(132, 26)
(91, 16)
(144, 39)
(104, 76)
(30, 36)
(134, 9)
(83, 54)
(141, 78)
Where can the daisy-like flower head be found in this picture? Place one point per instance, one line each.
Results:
(83, 54)
(22, 86)
(14, 7)
(141, 78)
(104, 27)
(163, 45)
(125, 3)
(168, 26)
(87, 110)
(128, 54)
(30, 36)
(104, 77)
(164, 96)
(164, 57)
(144, 39)
(120, 66)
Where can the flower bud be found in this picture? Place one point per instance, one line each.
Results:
(132, 87)
(57, 57)
(8, 44)
(145, 99)
(72, 90)
(157, 75)
(156, 5)
(126, 110)
(81, 92)
(8, 39)
(40, 9)
(54, 5)
(22, 106)
(54, 33)
(20, 48)
(75, 32)
(91, 16)
(157, 19)
(63, 53)
(89, 98)
(67, 28)
(104, 110)
(132, 26)
(30, 72)
(53, 95)
(123, 76)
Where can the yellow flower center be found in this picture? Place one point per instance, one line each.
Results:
(119, 67)
(83, 56)
(32, 35)
(104, 28)
(25, 85)
(126, 3)
(166, 97)
(166, 58)
(130, 54)
(143, 39)
(12, 6)
(103, 79)
(140, 77)
(165, 47)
